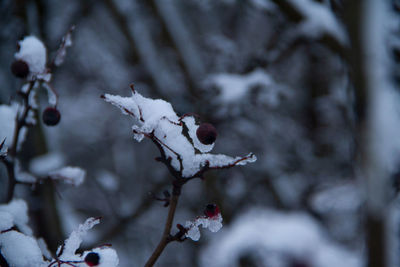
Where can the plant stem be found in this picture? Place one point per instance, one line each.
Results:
(20, 122)
(167, 232)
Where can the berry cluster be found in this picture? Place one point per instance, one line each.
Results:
(21, 69)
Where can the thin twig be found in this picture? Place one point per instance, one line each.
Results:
(165, 239)
(9, 161)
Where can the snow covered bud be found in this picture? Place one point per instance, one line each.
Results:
(20, 68)
(51, 116)
(211, 210)
(92, 259)
(33, 53)
(206, 133)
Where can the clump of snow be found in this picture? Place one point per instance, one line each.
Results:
(157, 119)
(67, 252)
(339, 198)
(75, 239)
(44, 164)
(21, 176)
(21, 250)
(33, 52)
(108, 181)
(287, 235)
(233, 87)
(214, 224)
(70, 175)
(6, 221)
(319, 20)
(18, 209)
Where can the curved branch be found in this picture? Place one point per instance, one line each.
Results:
(165, 239)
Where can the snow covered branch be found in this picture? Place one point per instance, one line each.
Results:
(184, 145)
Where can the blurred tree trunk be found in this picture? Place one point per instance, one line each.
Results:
(363, 21)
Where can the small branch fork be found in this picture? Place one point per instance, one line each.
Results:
(177, 179)
(172, 202)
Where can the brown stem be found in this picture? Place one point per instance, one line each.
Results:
(165, 239)
(9, 162)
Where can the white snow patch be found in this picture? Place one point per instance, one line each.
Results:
(33, 52)
(339, 198)
(22, 176)
(21, 250)
(46, 163)
(214, 224)
(70, 175)
(108, 181)
(289, 235)
(6, 220)
(319, 19)
(19, 212)
(75, 239)
(233, 87)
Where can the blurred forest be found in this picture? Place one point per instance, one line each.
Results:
(282, 79)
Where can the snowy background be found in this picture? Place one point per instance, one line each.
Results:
(276, 78)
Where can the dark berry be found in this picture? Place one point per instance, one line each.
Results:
(211, 210)
(51, 116)
(206, 133)
(20, 68)
(92, 259)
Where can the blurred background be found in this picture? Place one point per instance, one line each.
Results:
(272, 76)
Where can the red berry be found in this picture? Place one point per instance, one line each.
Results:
(92, 259)
(20, 68)
(206, 133)
(211, 210)
(51, 116)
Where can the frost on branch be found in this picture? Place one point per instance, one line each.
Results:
(67, 252)
(211, 221)
(175, 136)
(68, 249)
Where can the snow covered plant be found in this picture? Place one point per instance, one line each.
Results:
(20, 248)
(184, 145)
(31, 65)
